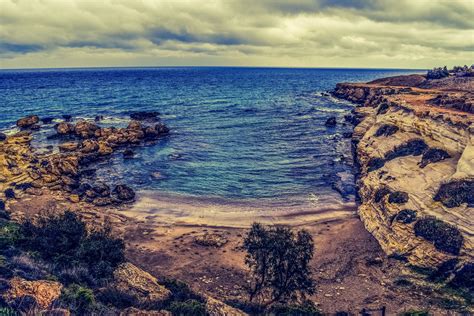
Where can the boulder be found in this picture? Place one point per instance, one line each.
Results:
(89, 146)
(162, 128)
(151, 133)
(67, 117)
(85, 129)
(101, 189)
(27, 121)
(134, 125)
(211, 240)
(143, 115)
(102, 201)
(124, 192)
(44, 292)
(69, 146)
(218, 308)
(134, 281)
(64, 128)
(104, 149)
(331, 122)
(3, 137)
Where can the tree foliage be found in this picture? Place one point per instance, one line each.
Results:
(279, 262)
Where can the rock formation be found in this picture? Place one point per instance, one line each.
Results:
(416, 167)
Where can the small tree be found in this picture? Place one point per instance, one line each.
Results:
(279, 262)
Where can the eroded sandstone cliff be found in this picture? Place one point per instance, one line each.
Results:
(416, 168)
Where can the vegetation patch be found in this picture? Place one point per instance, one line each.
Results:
(386, 130)
(375, 163)
(464, 277)
(444, 236)
(406, 216)
(398, 197)
(455, 193)
(433, 155)
(279, 262)
(64, 241)
(380, 193)
(414, 147)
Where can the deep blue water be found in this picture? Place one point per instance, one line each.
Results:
(236, 132)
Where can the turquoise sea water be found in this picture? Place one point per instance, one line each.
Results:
(236, 132)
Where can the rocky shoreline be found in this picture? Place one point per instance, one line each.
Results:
(413, 142)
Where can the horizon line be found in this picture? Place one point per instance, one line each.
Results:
(249, 67)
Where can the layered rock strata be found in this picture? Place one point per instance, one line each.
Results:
(416, 168)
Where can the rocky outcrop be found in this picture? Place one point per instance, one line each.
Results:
(143, 286)
(416, 170)
(43, 292)
(28, 121)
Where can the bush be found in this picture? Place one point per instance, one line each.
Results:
(64, 241)
(414, 147)
(445, 237)
(117, 298)
(406, 216)
(279, 261)
(306, 309)
(180, 291)
(9, 234)
(189, 307)
(398, 197)
(437, 73)
(375, 163)
(464, 277)
(77, 298)
(455, 193)
(414, 313)
(386, 130)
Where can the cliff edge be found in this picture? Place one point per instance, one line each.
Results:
(413, 142)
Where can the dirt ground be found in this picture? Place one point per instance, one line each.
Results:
(350, 269)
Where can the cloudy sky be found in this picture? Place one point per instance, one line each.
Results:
(292, 33)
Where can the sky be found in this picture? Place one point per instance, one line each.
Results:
(270, 33)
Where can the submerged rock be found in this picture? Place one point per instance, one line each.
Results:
(143, 115)
(331, 122)
(124, 192)
(27, 121)
(47, 120)
(67, 117)
(128, 153)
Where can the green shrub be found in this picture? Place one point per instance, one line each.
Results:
(189, 307)
(464, 277)
(180, 291)
(406, 216)
(77, 298)
(444, 236)
(414, 313)
(279, 262)
(117, 298)
(64, 241)
(9, 234)
(305, 309)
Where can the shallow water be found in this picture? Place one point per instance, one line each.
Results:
(237, 133)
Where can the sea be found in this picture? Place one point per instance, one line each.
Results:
(236, 133)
